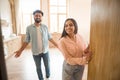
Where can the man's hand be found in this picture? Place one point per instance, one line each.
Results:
(17, 53)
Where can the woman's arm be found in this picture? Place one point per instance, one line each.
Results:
(88, 53)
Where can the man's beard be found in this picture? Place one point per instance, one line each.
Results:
(37, 20)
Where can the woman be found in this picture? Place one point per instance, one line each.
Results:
(73, 47)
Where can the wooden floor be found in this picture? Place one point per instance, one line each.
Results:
(23, 68)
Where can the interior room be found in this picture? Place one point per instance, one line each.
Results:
(98, 23)
(16, 15)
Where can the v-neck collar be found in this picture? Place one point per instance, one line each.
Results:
(71, 39)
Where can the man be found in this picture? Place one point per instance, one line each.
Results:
(39, 36)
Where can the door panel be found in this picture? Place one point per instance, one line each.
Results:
(3, 71)
(105, 40)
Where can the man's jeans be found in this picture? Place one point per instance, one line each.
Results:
(37, 59)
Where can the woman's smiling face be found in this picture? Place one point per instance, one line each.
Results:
(69, 27)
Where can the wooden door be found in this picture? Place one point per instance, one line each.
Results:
(3, 71)
(105, 40)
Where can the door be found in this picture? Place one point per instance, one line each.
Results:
(3, 72)
(105, 40)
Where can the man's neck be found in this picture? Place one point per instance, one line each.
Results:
(37, 24)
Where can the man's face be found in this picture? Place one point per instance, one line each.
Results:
(38, 17)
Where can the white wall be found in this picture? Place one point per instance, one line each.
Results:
(6, 15)
(5, 10)
(80, 11)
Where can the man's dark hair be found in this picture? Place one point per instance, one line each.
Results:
(38, 11)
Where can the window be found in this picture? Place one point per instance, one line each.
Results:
(27, 7)
(58, 14)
